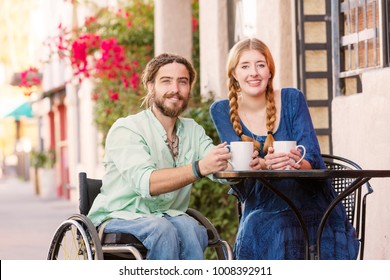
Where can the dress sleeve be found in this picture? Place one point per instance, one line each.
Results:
(302, 130)
(219, 112)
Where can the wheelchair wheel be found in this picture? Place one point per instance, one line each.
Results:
(76, 239)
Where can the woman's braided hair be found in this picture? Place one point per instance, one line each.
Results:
(234, 88)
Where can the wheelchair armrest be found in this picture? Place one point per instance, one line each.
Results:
(212, 232)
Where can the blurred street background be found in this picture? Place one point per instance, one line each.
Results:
(28, 221)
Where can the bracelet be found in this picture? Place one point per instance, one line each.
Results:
(197, 169)
(194, 170)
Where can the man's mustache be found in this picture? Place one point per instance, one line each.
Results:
(173, 94)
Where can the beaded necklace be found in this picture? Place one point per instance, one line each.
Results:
(173, 146)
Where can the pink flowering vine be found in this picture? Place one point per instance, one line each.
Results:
(111, 48)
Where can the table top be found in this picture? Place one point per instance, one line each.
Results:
(312, 174)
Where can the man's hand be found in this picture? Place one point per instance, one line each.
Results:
(215, 160)
(171, 179)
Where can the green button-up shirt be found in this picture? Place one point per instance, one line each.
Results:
(135, 147)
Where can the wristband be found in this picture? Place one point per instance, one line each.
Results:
(197, 169)
(194, 170)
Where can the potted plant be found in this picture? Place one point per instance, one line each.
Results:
(43, 163)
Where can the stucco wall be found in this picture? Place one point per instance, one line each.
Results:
(214, 49)
(361, 132)
(172, 27)
(275, 31)
(274, 28)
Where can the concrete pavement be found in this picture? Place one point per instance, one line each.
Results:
(27, 221)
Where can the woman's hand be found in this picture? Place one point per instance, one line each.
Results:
(295, 155)
(280, 161)
(276, 161)
(255, 163)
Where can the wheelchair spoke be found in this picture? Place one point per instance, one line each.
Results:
(73, 241)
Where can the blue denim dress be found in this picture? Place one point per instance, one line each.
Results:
(268, 227)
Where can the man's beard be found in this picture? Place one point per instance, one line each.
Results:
(167, 111)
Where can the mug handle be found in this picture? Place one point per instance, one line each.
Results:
(304, 152)
(229, 161)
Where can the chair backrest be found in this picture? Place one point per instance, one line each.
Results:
(89, 189)
(351, 202)
(355, 203)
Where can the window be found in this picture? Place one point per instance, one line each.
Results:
(362, 36)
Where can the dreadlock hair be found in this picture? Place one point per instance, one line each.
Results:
(150, 72)
(234, 88)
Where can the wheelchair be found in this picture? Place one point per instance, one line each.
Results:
(78, 239)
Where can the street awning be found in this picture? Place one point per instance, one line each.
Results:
(23, 110)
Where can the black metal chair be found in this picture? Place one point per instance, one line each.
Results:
(77, 237)
(355, 203)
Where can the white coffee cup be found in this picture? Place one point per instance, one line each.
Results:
(241, 154)
(286, 147)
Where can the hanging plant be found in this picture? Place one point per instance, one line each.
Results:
(30, 77)
(28, 80)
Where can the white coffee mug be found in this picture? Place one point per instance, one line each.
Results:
(241, 154)
(287, 146)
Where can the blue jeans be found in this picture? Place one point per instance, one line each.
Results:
(165, 238)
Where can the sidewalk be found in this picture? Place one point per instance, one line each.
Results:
(27, 221)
